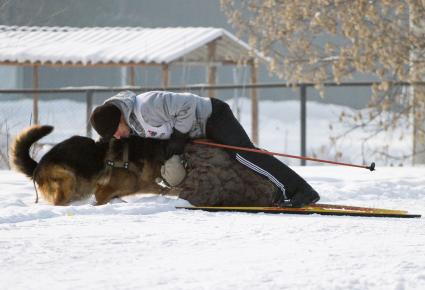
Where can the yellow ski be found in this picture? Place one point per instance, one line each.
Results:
(321, 209)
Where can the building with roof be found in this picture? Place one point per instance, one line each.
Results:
(126, 48)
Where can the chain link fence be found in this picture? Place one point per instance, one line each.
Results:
(292, 120)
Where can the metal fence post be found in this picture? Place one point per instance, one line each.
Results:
(303, 121)
(36, 95)
(89, 108)
(254, 106)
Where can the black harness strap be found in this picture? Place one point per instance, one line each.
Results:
(118, 164)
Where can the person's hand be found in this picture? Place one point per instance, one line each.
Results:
(176, 143)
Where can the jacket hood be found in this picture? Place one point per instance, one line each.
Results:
(125, 101)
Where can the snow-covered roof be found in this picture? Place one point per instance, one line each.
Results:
(118, 45)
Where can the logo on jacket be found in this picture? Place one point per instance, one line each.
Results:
(152, 133)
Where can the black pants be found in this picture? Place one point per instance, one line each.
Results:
(223, 127)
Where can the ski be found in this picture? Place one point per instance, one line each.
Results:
(321, 209)
(350, 207)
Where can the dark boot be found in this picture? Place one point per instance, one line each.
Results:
(304, 197)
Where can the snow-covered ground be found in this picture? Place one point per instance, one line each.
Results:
(147, 244)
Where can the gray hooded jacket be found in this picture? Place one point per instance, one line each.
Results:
(154, 114)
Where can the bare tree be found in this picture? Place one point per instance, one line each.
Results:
(323, 40)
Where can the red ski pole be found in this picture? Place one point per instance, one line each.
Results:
(371, 167)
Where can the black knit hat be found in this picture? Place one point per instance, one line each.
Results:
(105, 120)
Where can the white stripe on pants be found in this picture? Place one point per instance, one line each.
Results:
(263, 172)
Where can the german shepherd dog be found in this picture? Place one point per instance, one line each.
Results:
(78, 167)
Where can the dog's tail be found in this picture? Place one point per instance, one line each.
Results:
(20, 154)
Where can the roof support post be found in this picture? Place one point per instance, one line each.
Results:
(212, 69)
(35, 96)
(132, 75)
(303, 121)
(165, 75)
(89, 109)
(254, 104)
